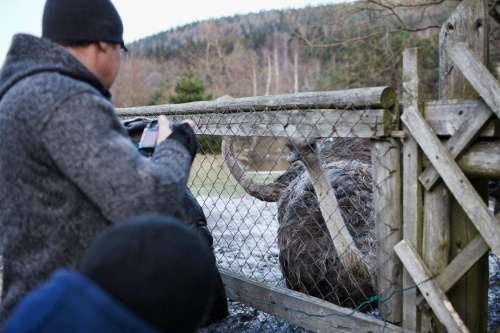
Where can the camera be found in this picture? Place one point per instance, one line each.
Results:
(149, 136)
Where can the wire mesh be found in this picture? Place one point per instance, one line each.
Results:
(323, 244)
(310, 225)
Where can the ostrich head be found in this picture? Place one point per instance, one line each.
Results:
(302, 149)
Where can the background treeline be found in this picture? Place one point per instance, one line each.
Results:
(327, 47)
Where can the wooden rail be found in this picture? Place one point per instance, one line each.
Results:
(306, 311)
(444, 117)
(376, 98)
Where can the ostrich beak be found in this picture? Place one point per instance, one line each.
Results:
(292, 157)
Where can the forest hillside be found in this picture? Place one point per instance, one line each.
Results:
(327, 47)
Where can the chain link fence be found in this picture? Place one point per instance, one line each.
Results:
(304, 196)
(308, 226)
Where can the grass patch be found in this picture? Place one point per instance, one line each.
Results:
(210, 177)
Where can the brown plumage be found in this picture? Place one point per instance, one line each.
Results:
(341, 270)
(324, 252)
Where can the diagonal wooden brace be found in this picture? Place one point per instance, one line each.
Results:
(489, 89)
(460, 265)
(478, 75)
(454, 178)
(457, 144)
(430, 289)
(485, 84)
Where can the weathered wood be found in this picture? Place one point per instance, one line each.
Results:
(482, 160)
(430, 289)
(435, 241)
(327, 123)
(292, 306)
(455, 179)
(469, 23)
(375, 98)
(386, 157)
(412, 190)
(478, 75)
(460, 265)
(469, 295)
(436, 229)
(446, 116)
(457, 144)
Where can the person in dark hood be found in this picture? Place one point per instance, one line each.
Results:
(151, 273)
(67, 166)
(191, 213)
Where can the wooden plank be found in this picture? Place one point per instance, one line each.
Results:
(478, 75)
(446, 116)
(308, 312)
(432, 292)
(412, 190)
(455, 179)
(360, 98)
(468, 23)
(456, 145)
(474, 251)
(386, 157)
(327, 123)
(435, 240)
(469, 295)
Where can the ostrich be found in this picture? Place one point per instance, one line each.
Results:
(326, 233)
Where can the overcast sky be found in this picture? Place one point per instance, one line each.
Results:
(141, 18)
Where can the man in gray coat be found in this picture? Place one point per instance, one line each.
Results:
(68, 168)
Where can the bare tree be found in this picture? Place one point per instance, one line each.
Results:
(269, 71)
(254, 73)
(138, 76)
(295, 67)
(328, 26)
(276, 64)
(365, 39)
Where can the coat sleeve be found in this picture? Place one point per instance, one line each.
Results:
(93, 151)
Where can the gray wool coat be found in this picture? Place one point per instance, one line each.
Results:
(68, 168)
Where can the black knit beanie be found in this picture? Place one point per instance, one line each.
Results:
(82, 20)
(157, 267)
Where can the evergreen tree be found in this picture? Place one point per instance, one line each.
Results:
(190, 89)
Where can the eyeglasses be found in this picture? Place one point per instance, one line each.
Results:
(123, 51)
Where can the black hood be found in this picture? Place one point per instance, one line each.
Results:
(30, 55)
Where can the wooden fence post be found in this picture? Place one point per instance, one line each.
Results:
(435, 241)
(386, 161)
(469, 24)
(412, 190)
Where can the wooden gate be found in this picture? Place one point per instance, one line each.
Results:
(439, 234)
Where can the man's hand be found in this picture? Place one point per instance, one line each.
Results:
(164, 128)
